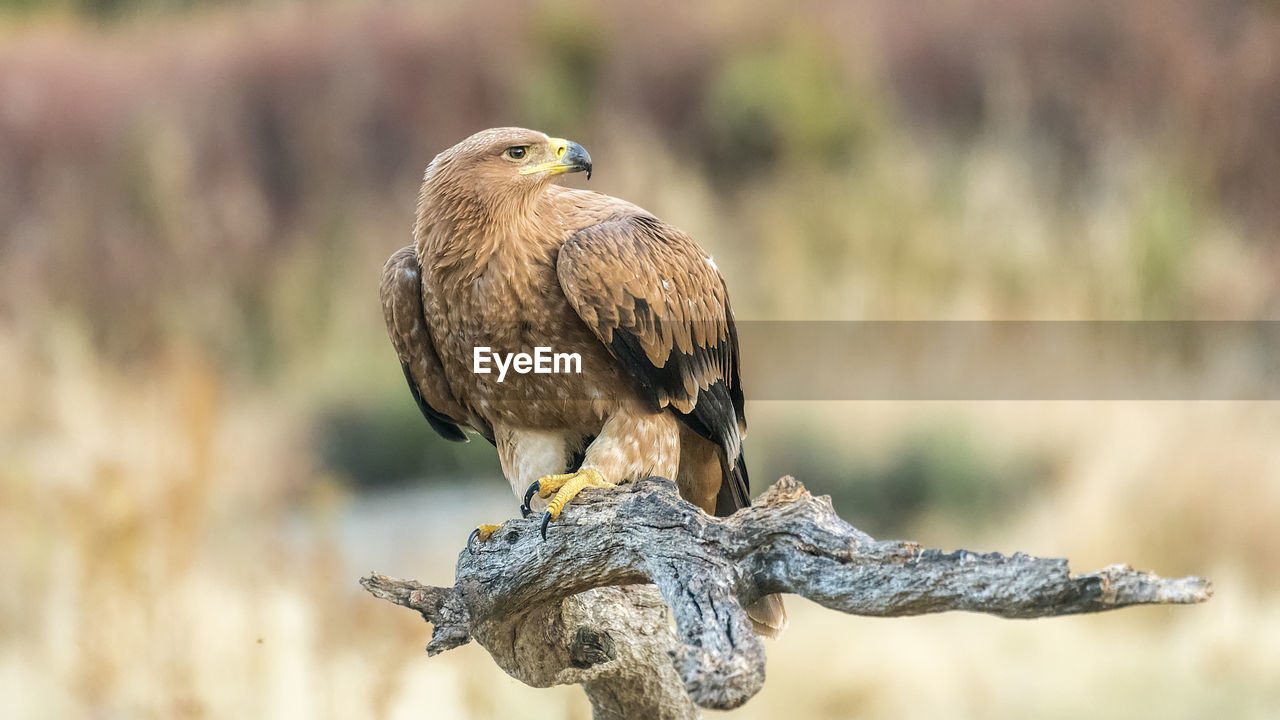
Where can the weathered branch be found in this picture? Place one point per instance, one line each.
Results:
(556, 611)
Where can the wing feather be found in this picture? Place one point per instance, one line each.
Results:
(401, 293)
(655, 299)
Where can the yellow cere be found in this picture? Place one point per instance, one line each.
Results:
(559, 147)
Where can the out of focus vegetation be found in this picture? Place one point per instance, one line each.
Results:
(196, 199)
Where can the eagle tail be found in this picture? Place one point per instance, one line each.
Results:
(768, 615)
(734, 492)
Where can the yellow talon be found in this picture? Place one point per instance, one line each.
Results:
(565, 487)
(482, 533)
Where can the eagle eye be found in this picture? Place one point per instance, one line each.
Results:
(517, 152)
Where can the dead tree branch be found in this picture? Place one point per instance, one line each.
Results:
(568, 609)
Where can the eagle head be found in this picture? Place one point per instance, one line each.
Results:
(506, 161)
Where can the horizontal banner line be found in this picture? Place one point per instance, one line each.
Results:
(1010, 360)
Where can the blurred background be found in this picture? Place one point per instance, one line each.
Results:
(205, 438)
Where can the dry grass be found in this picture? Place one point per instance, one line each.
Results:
(193, 209)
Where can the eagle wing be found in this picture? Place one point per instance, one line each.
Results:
(656, 300)
(401, 292)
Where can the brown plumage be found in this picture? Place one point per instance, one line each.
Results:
(504, 259)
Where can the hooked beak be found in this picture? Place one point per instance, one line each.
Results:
(569, 157)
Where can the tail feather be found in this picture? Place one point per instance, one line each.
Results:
(735, 486)
(768, 615)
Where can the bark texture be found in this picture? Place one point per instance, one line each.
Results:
(594, 603)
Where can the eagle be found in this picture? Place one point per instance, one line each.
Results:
(506, 264)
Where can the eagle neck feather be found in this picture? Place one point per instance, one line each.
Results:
(461, 235)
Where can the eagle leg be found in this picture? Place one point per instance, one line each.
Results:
(564, 487)
(481, 533)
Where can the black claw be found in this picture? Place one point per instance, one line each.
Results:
(471, 541)
(546, 520)
(532, 490)
(525, 511)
